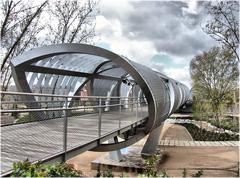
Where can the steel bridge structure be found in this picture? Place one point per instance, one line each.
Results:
(75, 97)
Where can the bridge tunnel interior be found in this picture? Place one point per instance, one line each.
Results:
(79, 75)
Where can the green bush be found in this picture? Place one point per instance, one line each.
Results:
(151, 168)
(199, 134)
(124, 174)
(26, 169)
(198, 174)
(26, 118)
(227, 124)
(106, 173)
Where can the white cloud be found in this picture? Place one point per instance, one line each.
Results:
(192, 7)
(107, 28)
(118, 8)
(141, 30)
(179, 74)
(110, 31)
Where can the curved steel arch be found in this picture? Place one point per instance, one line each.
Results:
(153, 84)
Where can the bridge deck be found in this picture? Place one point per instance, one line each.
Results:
(38, 140)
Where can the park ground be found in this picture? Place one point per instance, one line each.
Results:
(214, 161)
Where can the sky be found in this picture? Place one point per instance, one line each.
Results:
(164, 35)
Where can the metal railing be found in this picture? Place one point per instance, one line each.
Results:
(66, 104)
(64, 113)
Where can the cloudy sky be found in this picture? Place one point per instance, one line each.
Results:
(164, 35)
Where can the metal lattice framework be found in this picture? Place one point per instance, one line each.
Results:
(67, 68)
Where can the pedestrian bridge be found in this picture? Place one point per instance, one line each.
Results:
(74, 97)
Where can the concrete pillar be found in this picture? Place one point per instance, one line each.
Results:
(150, 147)
(115, 155)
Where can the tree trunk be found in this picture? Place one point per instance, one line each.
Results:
(215, 108)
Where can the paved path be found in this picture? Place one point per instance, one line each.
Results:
(174, 131)
(180, 115)
(38, 140)
(177, 135)
(199, 143)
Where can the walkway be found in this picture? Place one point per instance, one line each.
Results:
(177, 135)
(174, 132)
(199, 143)
(39, 140)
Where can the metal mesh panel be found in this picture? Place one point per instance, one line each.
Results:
(72, 62)
(30, 137)
(116, 72)
(32, 141)
(55, 84)
(173, 95)
(24, 135)
(158, 90)
(107, 66)
(102, 87)
(84, 127)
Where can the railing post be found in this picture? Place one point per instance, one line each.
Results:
(65, 123)
(131, 104)
(136, 108)
(99, 117)
(84, 103)
(120, 112)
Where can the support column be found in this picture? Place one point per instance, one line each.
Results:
(150, 147)
(115, 155)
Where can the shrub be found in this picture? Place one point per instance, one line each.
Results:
(151, 167)
(198, 174)
(26, 118)
(124, 174)
(184, 173)
(199, 134)
(227, 124)
(106, 173)
(26, 169)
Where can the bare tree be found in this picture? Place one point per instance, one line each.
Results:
(19, 28)
(215, 75)
(72, 21)
(224, 23)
